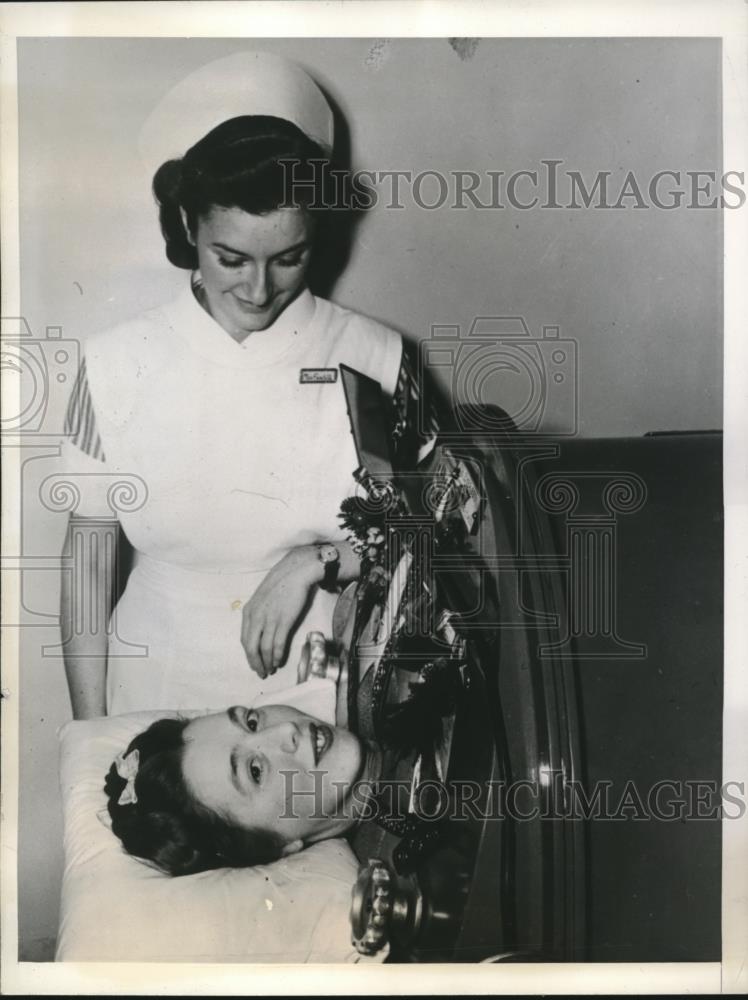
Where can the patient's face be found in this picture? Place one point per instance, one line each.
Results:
(233, 763)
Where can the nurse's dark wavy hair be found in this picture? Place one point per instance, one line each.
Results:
(243, 163)
(166, 825)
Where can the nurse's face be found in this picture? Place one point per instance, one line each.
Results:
(234, 761)
(252, 266)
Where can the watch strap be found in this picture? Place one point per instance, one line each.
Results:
(330, 558)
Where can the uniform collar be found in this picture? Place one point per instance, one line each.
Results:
(260, 349)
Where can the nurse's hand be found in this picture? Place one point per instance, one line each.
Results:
(272, 611)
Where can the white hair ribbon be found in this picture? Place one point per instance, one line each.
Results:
(127, 768)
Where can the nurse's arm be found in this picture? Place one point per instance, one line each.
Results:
(269, 616)
(86, 594)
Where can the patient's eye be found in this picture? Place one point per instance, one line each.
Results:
(252, 720)
(255, 770)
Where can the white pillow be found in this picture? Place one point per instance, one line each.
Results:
(117, 909)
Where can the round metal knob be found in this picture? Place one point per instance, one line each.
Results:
(383, 908)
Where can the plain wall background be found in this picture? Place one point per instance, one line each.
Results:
(639, 290)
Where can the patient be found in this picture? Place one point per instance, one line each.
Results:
(235, 788)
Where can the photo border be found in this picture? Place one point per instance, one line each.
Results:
(725, 19)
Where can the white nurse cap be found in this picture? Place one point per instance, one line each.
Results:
(246, 83)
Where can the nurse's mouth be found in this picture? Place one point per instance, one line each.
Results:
(322, 738)
(250, 307)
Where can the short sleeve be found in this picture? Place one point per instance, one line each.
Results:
(83, 461)
(416, 413)
(80, 420)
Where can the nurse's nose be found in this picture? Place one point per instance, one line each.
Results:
(256, 286)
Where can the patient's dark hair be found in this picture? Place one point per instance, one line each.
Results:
(257, 163)
(167, 825)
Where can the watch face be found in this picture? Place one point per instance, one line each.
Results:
(330, 558)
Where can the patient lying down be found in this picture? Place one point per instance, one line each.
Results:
(236, 788)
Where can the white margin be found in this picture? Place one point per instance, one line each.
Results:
(727, 19)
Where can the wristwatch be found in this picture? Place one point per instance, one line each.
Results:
(330, 558)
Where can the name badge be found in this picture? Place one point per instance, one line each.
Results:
(307, 375)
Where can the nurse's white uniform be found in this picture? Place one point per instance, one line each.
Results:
(242, 461)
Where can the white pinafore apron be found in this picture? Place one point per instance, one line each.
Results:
(243, 459)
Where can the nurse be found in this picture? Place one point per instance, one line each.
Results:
(227, 406)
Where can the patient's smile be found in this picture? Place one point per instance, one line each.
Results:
(322, 739)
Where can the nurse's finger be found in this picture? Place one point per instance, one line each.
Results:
(279, 643)
(267, 644)
(252, 624)
(246, 624)
(252, 632)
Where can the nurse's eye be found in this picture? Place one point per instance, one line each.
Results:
(253, 720)
(255, 771)
(290, 261)
(229, 262)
